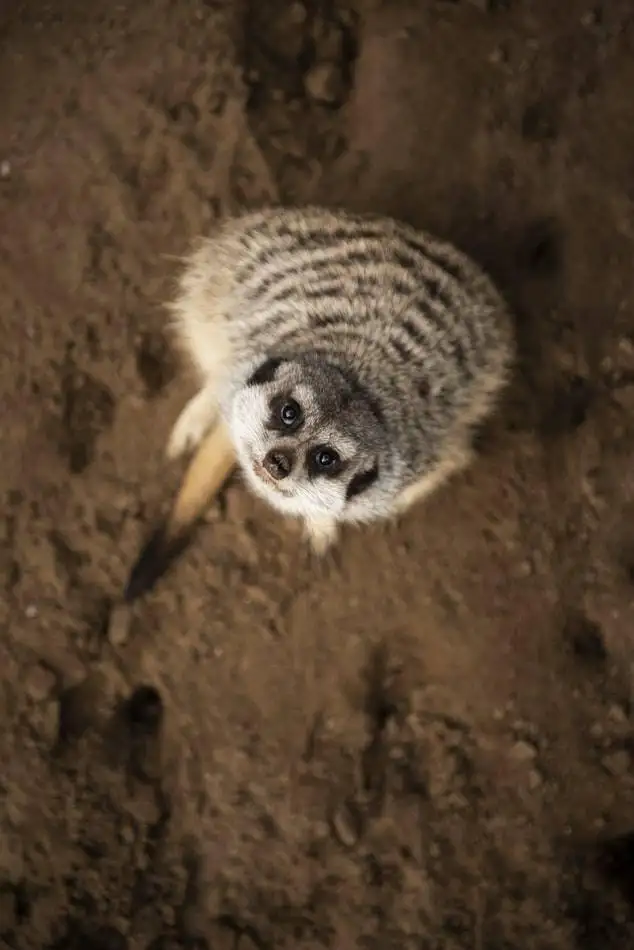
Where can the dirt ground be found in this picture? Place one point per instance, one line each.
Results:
(429, 745)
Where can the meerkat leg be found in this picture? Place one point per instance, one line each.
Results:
(459, 459)
(193, 423)
(321, 534)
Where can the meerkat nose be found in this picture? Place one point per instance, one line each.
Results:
(278, 463)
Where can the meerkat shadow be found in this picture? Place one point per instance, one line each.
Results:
(614, 860)
(207, 475)
(164, 546)
(156, 558)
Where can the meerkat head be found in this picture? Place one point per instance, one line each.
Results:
(310, 441)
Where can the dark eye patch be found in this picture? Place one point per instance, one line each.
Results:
(281, 408)
(361, 482)
(265, 373)
(323, 460)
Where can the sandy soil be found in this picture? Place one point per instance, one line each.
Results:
(429, 745)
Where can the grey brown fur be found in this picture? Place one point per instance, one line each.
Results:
(392, 344)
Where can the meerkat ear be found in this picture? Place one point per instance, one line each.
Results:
(362, 481)
(265, 373)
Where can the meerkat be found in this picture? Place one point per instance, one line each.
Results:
(344, 361)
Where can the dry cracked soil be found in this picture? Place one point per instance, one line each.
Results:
(429, 744)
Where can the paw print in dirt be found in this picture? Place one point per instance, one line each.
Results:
(88, 410)
(155, 363)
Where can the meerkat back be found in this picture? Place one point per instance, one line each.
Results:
(418, 325)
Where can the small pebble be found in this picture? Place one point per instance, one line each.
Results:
(618, 714)
(5, 169)
(347, 825)
(535, 780)
(590, 18)
(124, 502)
(522, 751)
(524, 569)
(39, 682)
(323, 83)
(31, 612)
(127, 834)
(119, 625)
(617, 763)
(498, 56)
(48, 725)
(626, 346)
(297, 13)
(624, 396)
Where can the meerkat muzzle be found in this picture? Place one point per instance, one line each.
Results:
(278, 464)
(209, 469)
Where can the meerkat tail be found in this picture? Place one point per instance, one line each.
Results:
(208, 471)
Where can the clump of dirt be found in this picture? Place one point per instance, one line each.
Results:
(429, 743)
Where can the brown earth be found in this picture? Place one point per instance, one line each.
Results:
(429, 745)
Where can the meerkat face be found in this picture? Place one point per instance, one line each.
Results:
(308, 439)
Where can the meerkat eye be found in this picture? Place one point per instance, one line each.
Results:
(290, 413)
(325, 460)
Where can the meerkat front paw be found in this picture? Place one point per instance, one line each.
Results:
(193, 423)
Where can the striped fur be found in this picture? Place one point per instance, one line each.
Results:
(398, 343)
